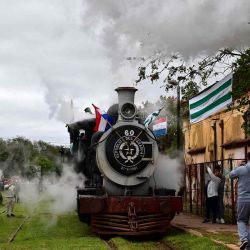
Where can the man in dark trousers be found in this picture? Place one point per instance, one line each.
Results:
(243, 202)
(212, 195)
(220, 218)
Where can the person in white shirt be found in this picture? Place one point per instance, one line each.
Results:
(212, 194)
(10, 198)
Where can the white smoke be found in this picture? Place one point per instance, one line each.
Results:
(48, 50)
(29, 194)
(143, 27)
(58, 192)
(168, 173)
(63, 191)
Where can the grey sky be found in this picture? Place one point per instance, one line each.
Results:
(52, 51)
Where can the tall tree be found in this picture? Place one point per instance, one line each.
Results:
(188, 75)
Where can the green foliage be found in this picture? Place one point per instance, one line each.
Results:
(20, 156)
(46, 164)
(3, 151)
(167, 143)
(189, 90)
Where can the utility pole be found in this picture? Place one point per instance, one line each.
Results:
(178, 117)
(178, 137)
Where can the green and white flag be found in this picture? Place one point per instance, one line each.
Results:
(211, 100)
(151, 117)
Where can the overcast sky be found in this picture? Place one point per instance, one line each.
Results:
(52, 51)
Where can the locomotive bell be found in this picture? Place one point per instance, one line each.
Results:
(127, 108)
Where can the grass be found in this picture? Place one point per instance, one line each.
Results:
(225, 237)
(7, 228)
(45, 231)
(184, 240)
(128, 244)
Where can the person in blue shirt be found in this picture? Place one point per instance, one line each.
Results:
(243, 202)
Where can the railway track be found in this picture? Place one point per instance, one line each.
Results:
(110, 244)
(160, 244)
(13, 236)
(166, 245)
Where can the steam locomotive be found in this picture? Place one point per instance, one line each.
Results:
(118, 197)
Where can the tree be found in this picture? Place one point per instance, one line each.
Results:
(20, 156)
(224, 61)
(45, 164)
(3, 151)
(168, 142)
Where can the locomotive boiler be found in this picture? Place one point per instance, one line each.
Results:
(118, 196)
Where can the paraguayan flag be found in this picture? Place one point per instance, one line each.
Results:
(211, 100)
(160, 127)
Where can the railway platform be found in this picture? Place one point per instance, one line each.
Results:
(225, 234)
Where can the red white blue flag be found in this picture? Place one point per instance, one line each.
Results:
(160, 127)
(103, 121)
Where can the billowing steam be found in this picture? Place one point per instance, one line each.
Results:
(58, 192)
(143, 27)
(62, 49)
(168, 173)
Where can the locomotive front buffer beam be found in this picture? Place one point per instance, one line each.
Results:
(129, 215)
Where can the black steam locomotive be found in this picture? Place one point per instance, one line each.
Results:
(118, 196)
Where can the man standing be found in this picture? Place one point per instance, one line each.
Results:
(212, 195)
(243, 201)
(220, 218)
(10, 198)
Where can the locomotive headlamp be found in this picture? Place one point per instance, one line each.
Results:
(128, 111)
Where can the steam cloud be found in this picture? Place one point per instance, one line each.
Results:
(59, 191)
(168, 173)
(142, 27)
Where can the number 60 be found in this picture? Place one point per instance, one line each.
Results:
(129, 132)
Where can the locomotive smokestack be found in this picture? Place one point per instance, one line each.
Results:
(126, 96)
